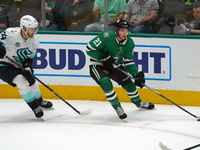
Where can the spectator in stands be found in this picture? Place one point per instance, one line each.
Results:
(18, 3)
(140, 13)
(57, 22)
(190, 2)
(77, 14)
(29, 7)
(189, 8)
(7, 13)
(116, 10)
(193, 27)
(49, 4)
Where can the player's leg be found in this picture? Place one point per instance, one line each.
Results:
(13, 76)
(35, 88)
(130, 88)
(138, 29)
(27, 94)
(110, 94)
(102, 78)
(43, 103)
(135, 98)
(94, 27)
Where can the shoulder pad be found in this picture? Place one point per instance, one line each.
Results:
(13, 30)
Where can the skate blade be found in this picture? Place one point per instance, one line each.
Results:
(41, 119)
(46, 109)
(125, 120)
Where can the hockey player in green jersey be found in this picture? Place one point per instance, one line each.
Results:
(107, 51)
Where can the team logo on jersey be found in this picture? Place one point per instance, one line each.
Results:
(17, 44)
(22, 54)
(106, 34)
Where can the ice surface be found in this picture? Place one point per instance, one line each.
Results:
(64, 129)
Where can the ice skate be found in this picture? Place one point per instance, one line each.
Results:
(38, 112)
(46, 104)
(145, 105)
(121, 113)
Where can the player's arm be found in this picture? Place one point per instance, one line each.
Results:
(93, 52)
(27, 63)
(3, 37)
(130, 66)
(120, 16)
(128, 60)
(2, 50)
(94, 48)
(132, 69)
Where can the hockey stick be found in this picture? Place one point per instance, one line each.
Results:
(192, 147)
(198, 117)
(88, 111)
(163, 147)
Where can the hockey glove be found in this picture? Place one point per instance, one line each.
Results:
(28, 64)
(107, 61)
(27, 72)
(139, 79)
(2, 50)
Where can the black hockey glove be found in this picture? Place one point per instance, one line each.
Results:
(28, 70)
(26, 73)
(28, 63)
(139, 79)
(2, 50)
(107, 61)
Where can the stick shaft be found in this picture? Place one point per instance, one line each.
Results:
(192, 147)
(56, 94)
(46, 86)
(171, 102)
(158, 93)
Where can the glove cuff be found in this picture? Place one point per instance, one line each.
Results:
(27, 63)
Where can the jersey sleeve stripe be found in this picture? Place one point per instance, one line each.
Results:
(128, 62)
(89, 47)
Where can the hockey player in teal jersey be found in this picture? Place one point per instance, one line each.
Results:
(20, 45)
(107, 51)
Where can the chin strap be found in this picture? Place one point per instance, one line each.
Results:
(25, 32)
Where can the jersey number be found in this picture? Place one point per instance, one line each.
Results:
(97, 42)
(3, 35)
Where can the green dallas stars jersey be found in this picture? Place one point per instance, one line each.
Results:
(107, 42)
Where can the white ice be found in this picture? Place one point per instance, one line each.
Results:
(64, 129)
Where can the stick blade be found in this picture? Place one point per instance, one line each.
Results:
(198, 118)
(163, 147)
(86, 112)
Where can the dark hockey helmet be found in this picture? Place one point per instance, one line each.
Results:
(122, 24)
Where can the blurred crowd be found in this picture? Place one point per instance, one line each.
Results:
(144, 16)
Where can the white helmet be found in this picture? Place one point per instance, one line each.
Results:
(28, 22)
